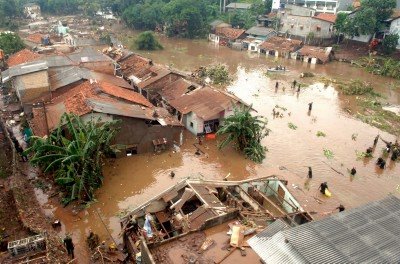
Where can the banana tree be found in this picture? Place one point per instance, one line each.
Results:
(245, 131)
(74, 153)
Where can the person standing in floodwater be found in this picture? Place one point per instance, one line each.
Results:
(323, 187)
(294, 83)
(376, 140)
(309, 173)
(341, 208)
(276, 85)
(310, 106)
(69, 245)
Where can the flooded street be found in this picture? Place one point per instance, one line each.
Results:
(131, 181)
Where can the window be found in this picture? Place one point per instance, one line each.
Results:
(191, 124)
(318, 28)
(301, 27)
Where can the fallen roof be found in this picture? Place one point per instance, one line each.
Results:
(176, 89)
(260, 31)
(229, 33)
(157, 73)
(134, 64)
(22, 56)
(326, 17)
(322, 54)
(281, 44)
(369, 233)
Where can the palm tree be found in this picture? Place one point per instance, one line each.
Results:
(75, 159)
(246, 131)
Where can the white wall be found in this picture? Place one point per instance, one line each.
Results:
(198, 123)
(395, 29)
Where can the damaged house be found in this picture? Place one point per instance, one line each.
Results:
(280, 47)
(200, 109)
(226, 36)
(177, 220)
(143, 127)
(315, 55)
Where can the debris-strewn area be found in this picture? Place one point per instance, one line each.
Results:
(34, 220)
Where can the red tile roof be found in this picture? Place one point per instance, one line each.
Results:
(323, 54)
(326, 17)
(230, 33)
(35, 38)
(281, 44)
(22, 56)
(125, 94)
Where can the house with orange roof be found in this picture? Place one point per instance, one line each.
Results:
(226, 36)
(142, 127)
(22, 56)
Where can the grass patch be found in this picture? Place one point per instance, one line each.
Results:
(321, 134)
(357, 87)
(328, 154)
(292, 126)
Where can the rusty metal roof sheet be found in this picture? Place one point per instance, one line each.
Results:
(157, 73)
(207, 195)
(199, 216)
(205, 102)
(368, 234)
(176, 89)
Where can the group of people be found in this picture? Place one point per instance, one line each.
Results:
(392, 149)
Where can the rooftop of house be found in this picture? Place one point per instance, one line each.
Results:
(259, 31)
(369, 233)
(22, 56)
(230, 33)
(156, 73)
(71, 74)
(88, 54)
(322, 54)
(134, 65)
(176, 89)
(35, 38)
(239, 6)
(326, 17)
(89, 97)
(205, 102)
(281, 44)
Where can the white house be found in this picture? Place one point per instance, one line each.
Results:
(395, 28)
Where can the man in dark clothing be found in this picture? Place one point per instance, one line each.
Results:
(310, 106)
(389, 147)
(369, 150)
(276, 85)
(309, 172)
(19, 149)
(294, 83)
(323, 187)
(69, 245)
(341, 208)
(376, 140)
(381, 163)
(353, 171)
(395, 154)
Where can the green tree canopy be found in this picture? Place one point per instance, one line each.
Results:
(390, 43)
(369, 18)
(245, 131)
(11, 43)
(75, 160)
(147, 41)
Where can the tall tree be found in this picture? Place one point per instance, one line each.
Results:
(245, 131)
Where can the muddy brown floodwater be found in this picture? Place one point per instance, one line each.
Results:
(131, 181)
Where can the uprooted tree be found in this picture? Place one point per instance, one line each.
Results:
(75, 160)
(245, 131)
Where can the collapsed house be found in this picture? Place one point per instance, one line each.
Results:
(226, 36)
(155, 230)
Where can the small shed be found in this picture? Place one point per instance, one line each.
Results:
(314, 55)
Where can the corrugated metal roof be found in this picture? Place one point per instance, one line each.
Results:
(25, 68)
(260, 31)
(88, 54)
(368, 234)
(119, 108)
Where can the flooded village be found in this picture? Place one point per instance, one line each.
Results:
(272, 140)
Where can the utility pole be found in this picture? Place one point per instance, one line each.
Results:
(220, 6)
(224, 5)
